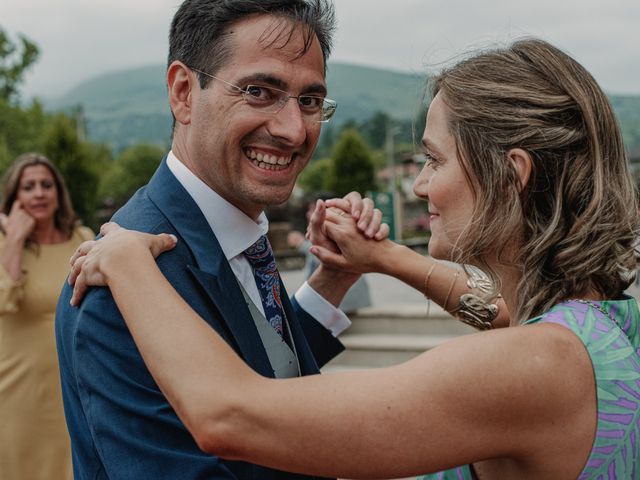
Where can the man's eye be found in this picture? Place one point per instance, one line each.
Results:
(310, 103)
(258, 93)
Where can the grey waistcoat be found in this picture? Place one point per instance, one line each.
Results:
(283, 359)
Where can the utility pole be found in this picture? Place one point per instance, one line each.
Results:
(393, 183)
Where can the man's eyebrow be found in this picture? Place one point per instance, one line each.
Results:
(263, 78)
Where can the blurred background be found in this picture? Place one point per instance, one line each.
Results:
(83, 82)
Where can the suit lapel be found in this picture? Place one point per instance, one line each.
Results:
(211, 269)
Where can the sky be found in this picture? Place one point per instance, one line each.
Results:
(80, 39)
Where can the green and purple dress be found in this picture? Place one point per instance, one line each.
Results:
(613, 344)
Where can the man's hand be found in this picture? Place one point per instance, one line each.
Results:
(356, 253)
(364, 212)
(316, 232)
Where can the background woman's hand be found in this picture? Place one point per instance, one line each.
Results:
(118, 248)
(18, 225)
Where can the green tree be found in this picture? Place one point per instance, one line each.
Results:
(314, 177)
(351, 165)
(14, 61)
(73, 159)
(20, 129)
(374, 130)
(132, 169)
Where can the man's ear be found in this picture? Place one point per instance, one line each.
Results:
(180, 82)
(523, 165)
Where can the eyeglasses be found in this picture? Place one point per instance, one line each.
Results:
(272, 100)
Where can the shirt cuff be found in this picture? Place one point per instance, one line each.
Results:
(330, 317)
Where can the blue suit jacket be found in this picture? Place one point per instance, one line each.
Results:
(121, 425)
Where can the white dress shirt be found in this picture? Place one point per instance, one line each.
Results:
(236, 232)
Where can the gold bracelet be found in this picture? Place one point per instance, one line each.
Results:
(475, 308)
(476, 311)
(426, 279)
(446, 300)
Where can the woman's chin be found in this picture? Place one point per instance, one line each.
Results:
(42, 217)
(437, 251)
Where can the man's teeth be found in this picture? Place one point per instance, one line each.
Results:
(268, 162)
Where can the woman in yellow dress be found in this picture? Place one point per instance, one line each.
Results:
(38, 233)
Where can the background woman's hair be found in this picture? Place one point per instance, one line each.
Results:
(65, 218)
(577, 220)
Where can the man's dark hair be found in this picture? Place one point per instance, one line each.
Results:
(200, 29)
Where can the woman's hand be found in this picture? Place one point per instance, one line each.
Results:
(362, 210)
(18, 225)
(355, 252)
(368, 218)
(118, 248)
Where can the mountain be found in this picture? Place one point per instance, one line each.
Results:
(123, 108)
(130, 106)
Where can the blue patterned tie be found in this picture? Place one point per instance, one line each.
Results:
(260, 256)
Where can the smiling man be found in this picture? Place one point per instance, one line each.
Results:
(246, 85)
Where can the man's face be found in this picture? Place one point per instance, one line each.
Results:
(226, 137)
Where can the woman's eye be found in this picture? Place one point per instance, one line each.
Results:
(430, 160)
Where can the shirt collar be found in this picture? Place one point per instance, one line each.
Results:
(234, 230)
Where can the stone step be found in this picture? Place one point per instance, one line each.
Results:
(409, 320)
(373, 350)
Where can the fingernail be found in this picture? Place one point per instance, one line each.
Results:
(356, 214)
(175, 239)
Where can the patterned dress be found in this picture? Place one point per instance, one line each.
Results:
(614, 348)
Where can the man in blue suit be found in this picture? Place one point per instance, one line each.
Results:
(246, 86)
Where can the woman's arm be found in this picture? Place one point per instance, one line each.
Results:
(481, 396)
(17, 226)
(438, 281)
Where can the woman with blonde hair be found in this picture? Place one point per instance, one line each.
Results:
(527, 178)
(38, 233)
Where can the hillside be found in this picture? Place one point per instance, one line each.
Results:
(130, 106)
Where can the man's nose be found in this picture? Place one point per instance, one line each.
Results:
(289, 124)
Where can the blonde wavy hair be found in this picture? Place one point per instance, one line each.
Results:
(577, 219)
(65, 218)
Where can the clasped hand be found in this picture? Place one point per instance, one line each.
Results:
(343, 233)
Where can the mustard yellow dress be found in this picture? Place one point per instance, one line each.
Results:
(34, 443)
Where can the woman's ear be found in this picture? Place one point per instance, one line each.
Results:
(523, 165)
(180, 84)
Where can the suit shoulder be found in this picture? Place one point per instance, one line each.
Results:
(140, 213)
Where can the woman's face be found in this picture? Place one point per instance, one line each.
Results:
(443, 183)
(37, 193)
